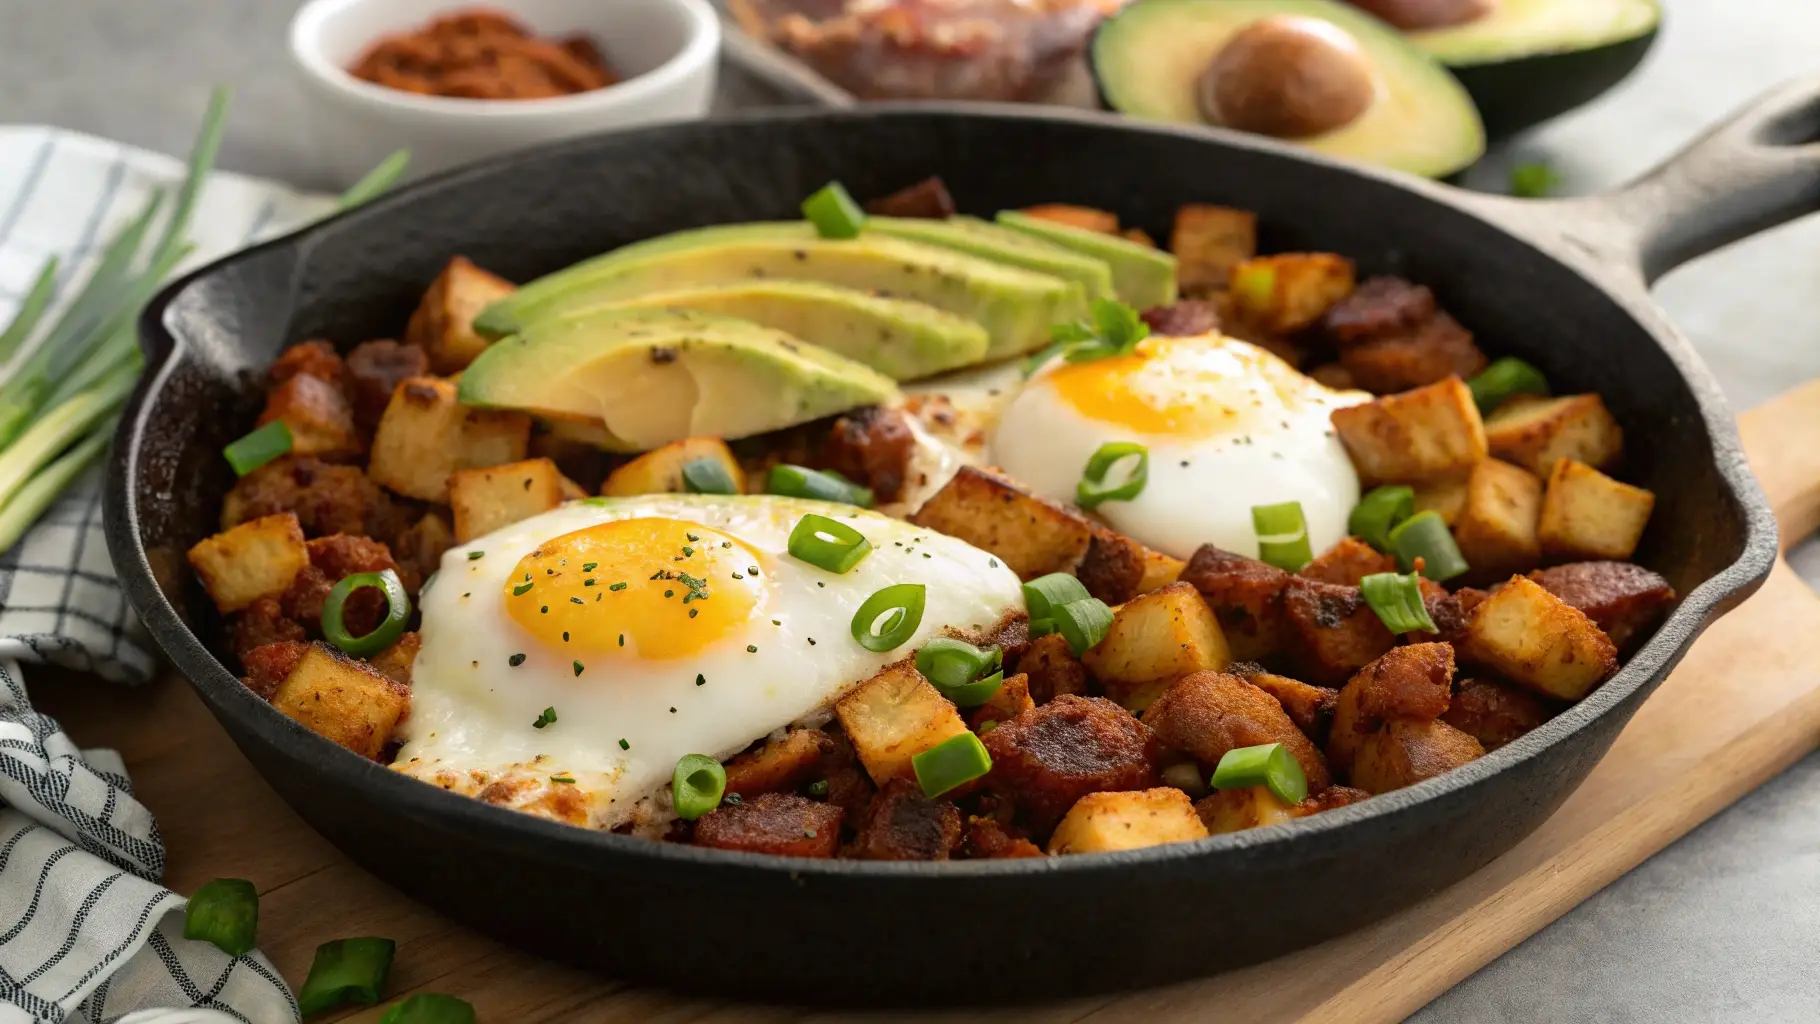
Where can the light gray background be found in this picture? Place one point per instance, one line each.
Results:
(1722, 926)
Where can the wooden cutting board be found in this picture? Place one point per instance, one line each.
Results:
(1743, 706)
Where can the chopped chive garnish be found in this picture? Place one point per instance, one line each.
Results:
(1094, 487)
(589, 583)
(259, 447)
(1268, 764)
(622, 639)
(1504, 379)
(576, 600)
(346, 971)
(833, 212)
(1397, 600)
(827, 544)
(954, 761)
(578, 668)
(824, 485)
(689, 551)
(963, 673)
(623, 745)
(1424, 537)
(398, 612)
(617, 586)
(224, 913)
(475, 556)
(522, 589)
(563, 780)
(588, 566)
(696, 785)
(889, 618)
(751, 648)
(516, 660)
(700, 680)
(693, 612)
(1379, 511)
(547, 717)
(707, 476)
(1282, 535)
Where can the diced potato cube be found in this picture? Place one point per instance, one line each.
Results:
(493, 437)
(1033, 537)
(1234, 810)
(660, 471)
(1445, 498)
(894, 716)
(778, 766)
(1116, 568)
(1535, 433)
(1102, 822)
(342, 700)
(1288, 292)
(259, 558)
(1530, 636)
(1052, 669)
(443, 323)
(420, 439)
(1496, 531)
(1586, 514)
(318, 415)
(1010, 700)
(1430, 433)
(1139, 236)
(1084, 217)
(484, 500)
(1156, 638)
(1406, 752)
(1208, 241)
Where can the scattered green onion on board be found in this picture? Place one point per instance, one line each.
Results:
(1095, 489)
(827, 544)
(1424, 537)
(963, 673)
(225, 913)
(430, 1008)
(346, 971)
(821, 484)
(697, 785)
(833, 212)
(1379, 511)
(1503, 380)
(259, 447)
(398, 612)
(1282, 535)
(1269, 764)
(707, 476)
(888, 619)
(1397, 600)
(953, 762)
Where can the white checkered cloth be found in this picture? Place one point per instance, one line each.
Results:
(87, 932)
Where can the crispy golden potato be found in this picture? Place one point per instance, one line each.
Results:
(1445, 498)
(1431, 433)
(1493, 713)
(1207, 714)
(259, 558)
(1586, 514)
(1290, 291)
(443, 323)
(1033, 537)
(661, 471)
(1051, 669)
(1116, 568)
(1309, 707)
(1406, 752)
(1102, 822)
(484, 500)
(779, 765)
(1413, 682)
(1155, 638)
(493, 437)
(894, 716)
(1208, 241)
(1084, 217)
(420, 440)
(342, 700)
(1622, 599)
(1011, 700)
(318, 415)
(1496, 529)
(1139, 236)
(1530, 636)
(1535, 432)
(1234, 810)
(1348, 562)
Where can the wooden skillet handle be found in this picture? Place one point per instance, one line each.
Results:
(1782, 439)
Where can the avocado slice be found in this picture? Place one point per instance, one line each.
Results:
(1150, 57)
(901, 339)
(983, 238)
(1141, 276)
(651, 377)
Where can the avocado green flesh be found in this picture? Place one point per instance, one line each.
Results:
(901, 339)
(983, 238)
(1528, 28)
(1141, 276)
(1149, 57)
(652, 377)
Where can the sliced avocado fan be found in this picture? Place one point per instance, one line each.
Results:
(985, 239)
(1527, 28)
(1142, 276)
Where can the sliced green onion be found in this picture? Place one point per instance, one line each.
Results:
(888, 619)
(824, 485)
(1083, 624)
(1398, 602)
(346, 971)
(31, 310)
(972, 695)
(697, 785)
(1046, 593)
(1282, 535)
(1372, 518)
(259, 447)
(828, 543)
(1270, 764)
(1094, 488)
(950, 763)
(1502, 380)
(1255, 285)
(1534, 180)
(375, 182)
(430, 1008)
(707, 476)
(834, 213)
(960, 670)
(398, 612)
(1424, 536)
(225, 913)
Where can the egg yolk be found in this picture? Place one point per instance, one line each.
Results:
(1183, 387)
(647, 588)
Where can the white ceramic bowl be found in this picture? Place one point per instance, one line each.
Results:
(664, 49)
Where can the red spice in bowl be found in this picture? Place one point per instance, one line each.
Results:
(484, 54)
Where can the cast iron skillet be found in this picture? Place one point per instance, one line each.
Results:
(1562, 284)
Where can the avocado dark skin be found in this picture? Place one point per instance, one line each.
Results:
(1515, 95)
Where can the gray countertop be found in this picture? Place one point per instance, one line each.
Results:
(1719, 927)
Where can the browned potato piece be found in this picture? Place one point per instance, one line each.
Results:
(1290, 291)
(988, 839)
(1209, 713)
(259, 558)
(1494, 714)
(1011, 700)
(1139, 236)
(484, 500)
(1208, 241)
(1234, 810)
(493, 437)
(894, 716)
(1334, 376)
(780, 824)
(1431, 433)
(1622, 599)
(1406, 752)
(1246, 596)
(1348, 562)
(779, 765)
(1155, 638)
(1309, 707)
(1331, 798)
(1084, 217)
(1332, 631)
(396, 661)
(903, 824)
(1535, 433)
(1445, 498)
(1496, 530)
(1116, 568)
(1047, 758)
(1051, 669)
(443, 323)
(660, 471)
(342, 700)
(1532, 637)
(1586, 514)
(318, 415)
(1101, 822)
(420, 440)
(1032, 536)
(1413, 682)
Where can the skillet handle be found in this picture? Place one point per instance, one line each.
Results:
(1758, 169)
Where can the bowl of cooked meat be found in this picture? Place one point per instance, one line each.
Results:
(1102, 556)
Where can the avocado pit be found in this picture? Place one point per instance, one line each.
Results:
(1288, 77)
(1421, 15)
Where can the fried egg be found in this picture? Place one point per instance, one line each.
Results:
(570, 659)
(1227, 426)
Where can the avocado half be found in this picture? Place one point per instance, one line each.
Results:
(1531, 60)
(1148, 58)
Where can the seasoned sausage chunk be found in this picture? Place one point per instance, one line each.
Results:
(871, 447)
(1047, 758)
(316, 358)
(1052, 668)
(1429, 352)
(1333, 632)
(1348, 562)
(1406, 752)
(1185, 318)
(780, 824)
(1246, 595)
(1622, 599)
(1206, 714)
(903, 824)
(1329, 799)
(331, 559)
(326, 498)
(260, 623)
(1379, 305)
(1494, 714)
(268, 666)
(988, 839)
(1414, 682)
(1309, 707)
(374, 369)
(778, 765)
(849, 787)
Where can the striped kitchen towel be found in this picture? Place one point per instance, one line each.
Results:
(87, 930)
